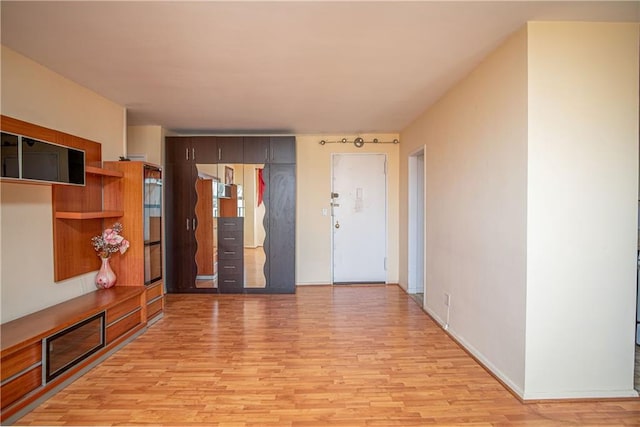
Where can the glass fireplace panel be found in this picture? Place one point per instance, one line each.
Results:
(74, 344)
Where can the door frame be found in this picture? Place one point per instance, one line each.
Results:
(416, 284)
(386, 212)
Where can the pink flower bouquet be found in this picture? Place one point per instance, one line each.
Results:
(110, 241)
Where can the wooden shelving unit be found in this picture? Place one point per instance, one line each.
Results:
(127, 194)
(92, 170)
(79, 215)
(78, 212)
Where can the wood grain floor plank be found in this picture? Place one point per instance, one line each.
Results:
(341, 356)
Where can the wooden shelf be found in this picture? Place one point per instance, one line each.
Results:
(89, 215)
(103, 172)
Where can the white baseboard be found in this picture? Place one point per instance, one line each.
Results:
(588, 394)
(478, 355)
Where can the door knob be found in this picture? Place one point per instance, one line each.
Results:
(337, 225)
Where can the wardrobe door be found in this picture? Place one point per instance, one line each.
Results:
(280, 202)
(282, 149)
(180, 176)
(256, 149)
(204, 149)
(230, 149)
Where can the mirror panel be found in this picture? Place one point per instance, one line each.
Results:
(230, 190)
(254, 231)
(206, 231)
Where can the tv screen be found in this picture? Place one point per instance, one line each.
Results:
(41, 161)
(9, 149)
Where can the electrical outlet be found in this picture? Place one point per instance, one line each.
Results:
(447, 299)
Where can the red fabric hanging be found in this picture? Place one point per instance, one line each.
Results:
(260, 187)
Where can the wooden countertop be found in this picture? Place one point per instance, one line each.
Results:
(28, 329)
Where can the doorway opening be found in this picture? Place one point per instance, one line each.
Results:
(636, 371)
(359, 214)
(416, 233)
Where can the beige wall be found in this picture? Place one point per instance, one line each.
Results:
(531, 215)
(147, 141)
(582, 212)
(313, 230)
(476, 162)
(35, 94)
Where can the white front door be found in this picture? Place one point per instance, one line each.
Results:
(359, 218)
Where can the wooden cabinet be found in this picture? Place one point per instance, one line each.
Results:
(256, 149)
(265, 149)
(196, 149)
(277, 155)
(280, 203)
(230, 258)
(204, 149)
(21, 373)
(180, 176)
(26, 364)
(139, 194)
(282, 149)
(155, 301)
(230, 149)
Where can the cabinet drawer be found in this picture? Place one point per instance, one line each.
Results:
(154, 291)
(18, 387)
(154, 308)
(230, 238)
(230, 283)
(229, 252)
(228, 267)
(21, 360)
(122, 326)
(114, 313)
(229, 224)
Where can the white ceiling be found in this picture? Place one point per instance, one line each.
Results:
(303, 67)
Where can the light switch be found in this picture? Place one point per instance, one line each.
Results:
(325, 212)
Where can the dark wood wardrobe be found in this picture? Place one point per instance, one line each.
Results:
(219, 164)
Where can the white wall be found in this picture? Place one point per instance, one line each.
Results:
(476, 163)
(34, 94)
(582, 213)
(313, 236)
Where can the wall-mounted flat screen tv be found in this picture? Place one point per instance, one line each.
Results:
(35, 160)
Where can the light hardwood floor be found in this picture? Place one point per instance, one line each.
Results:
(325, 356)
